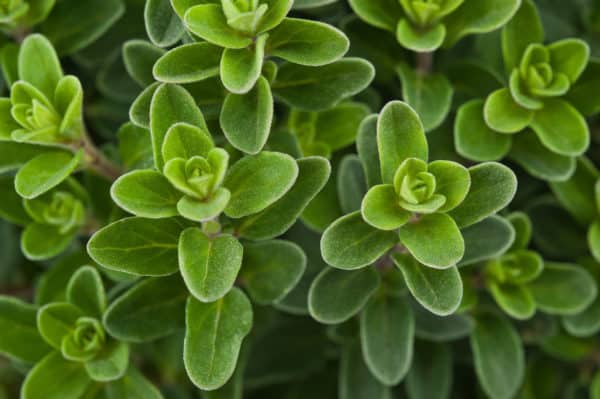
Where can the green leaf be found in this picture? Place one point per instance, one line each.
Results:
(86, 291)
(110, 364)
(209, 266)
(133, 385)
(593, 238)
(209, 22)
(350, 243)
(581, 95)
(351, 183)
(56, 320)
(563, 289)
(11, 206)
(539, 161)
(19, 338)
(139, 113)
(14, 155)
(337, 295)
(246, 118)
(257, 181)
(453, 181)
(502, 113)
(188, 63)
(320, 88)
(498, 355)
(139, 57)
(163, 26)
(577, 195)
(146, 193)
(524, 29)
(271, 269)
(400, 136)
(213, 338)
(70, 27)
(277, 218)
(441, 329)
(366, 144)
(499, 236)
(430, 95)
(52, 284)
(439, 291)
(337, 127)
(275, 14)
(171, 104)
(421, 40)
(39, 64)
(387, 321)
(569, 57)
(42, 241)
(381, 209)
(356, 381)
(241, 68)
(186, 141)
(56, 378)
(586, 323)
(151, 309)
(493, 186)
(478, 17)
(515, 300)
(307, 42)
(143, 247)
(430, 374)
(561, 128)
(434, 240)
(383, 14)
(45, 172)
(474, 139)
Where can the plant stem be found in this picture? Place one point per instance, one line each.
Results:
(425, 63)
(97, 161)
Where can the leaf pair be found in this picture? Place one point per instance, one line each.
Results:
(426, 26)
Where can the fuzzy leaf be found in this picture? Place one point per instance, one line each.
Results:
(474, 139)
(163, 26)
(431, 362)
(320, 88)
(171, 104)
(56, 378)
(39, 64)
(493, 186)
(271, 269)
(86, 291)
(498, 355)
(439, 291)
(277, 218)
(209, 266)
(306, 42)
(19, 338)
(257, 181)
(387, 321)
(350, 243)
(429, 95)
(563, 289)
(434, 240)
(213, 338)
(337, 295)
(151, 309)
(144, 247)
(400, 135)
(188, 63)
(146, 193)
(499, 236)
(246, 118)
(45, 172)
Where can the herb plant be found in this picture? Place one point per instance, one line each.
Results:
(243, 199)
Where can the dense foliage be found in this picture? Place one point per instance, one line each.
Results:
(244, 199)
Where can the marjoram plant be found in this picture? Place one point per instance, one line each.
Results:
(280, 199)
